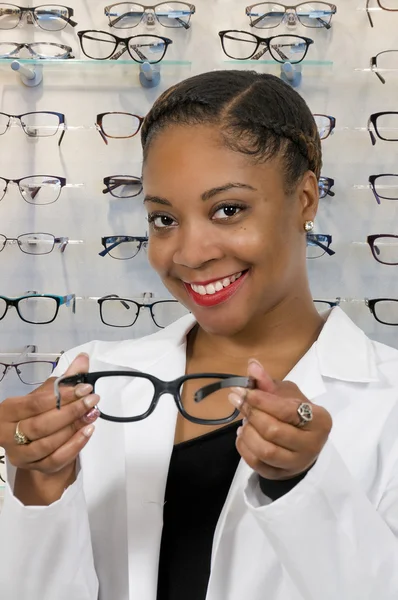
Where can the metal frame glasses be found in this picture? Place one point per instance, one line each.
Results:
(161, 387)
(37, 50)
(260, 45)
(134, 308)
(375, 119)
(380, 6)
(132, 244)
(321, 241)
(377, 241)
(56, 15)
(175, 14)
(386, 66)
(135, 45)
(122, 186)
(310, 14)
(32, 186)
(107, 130)
(49, 125)
(21, 301)
(19, 366)
(35, 243)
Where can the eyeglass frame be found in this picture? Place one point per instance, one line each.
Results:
(62, 181)
(162, 387)
(142, 240)
(382, 8)
(292, 8)
(313, 237)
(60, 300)
(192, 10)
(60, 116)
(9, 366)
(373, 63)
(371, 241)
(267, 41)
(107, 190)
(35, 55)
(114, 297)
(372, 179)
(104, 135)
(372, 121)
(125, 42)
(371, 303)
(62, 241)
(332, 124)
(329, 183)
(31, 10)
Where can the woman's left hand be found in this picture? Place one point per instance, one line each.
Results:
(270, 440)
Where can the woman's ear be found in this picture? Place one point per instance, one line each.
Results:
(308, 193)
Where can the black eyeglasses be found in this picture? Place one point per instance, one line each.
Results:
(188, 392)
(325, 125)
(384, 186)
(35, 189)
(51, 17)
(30, 372)
(384, 310)
(124, 15)
(123, 312)
(384, 121)
(38, 309)
(384, 5)
(318, 245)
(322, 305)
(101, 45)
(2, 462)
(310, 14)
(35, 243)
(123, 247)
(118, 125)
(123, 186)
(384, 248)
(384, 61)
(325, 185)
(35, 124)
(44, 50)
(243, 45)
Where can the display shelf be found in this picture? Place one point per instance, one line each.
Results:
(104, 64)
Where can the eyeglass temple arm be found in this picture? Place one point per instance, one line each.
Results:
(109, 248)
(373, 66)
(245, 382)
(116, 296)
(63, 242)
(62, 134)
(372, 137)
(368, 13)
(71, 381)
(68, 299)
(325, 248)
(265, 15)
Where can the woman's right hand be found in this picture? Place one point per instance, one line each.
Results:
(46, 466)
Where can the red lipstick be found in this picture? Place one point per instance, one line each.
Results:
(218, 297)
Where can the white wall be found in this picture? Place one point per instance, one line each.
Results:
(333, 83)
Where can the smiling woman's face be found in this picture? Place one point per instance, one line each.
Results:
(224, 237)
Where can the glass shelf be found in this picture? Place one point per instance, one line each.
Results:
(274, 63)
(76, 62)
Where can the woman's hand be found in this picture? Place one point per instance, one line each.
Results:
(270, 440)
(55, 436)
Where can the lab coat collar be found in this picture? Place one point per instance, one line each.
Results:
(342, 351)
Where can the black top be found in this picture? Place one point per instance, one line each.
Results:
(200, 475)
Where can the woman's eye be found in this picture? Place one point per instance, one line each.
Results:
(160, 221)
(227, 211)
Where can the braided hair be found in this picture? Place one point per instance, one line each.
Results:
(257, 114)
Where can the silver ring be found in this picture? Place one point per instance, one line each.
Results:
(304, 411)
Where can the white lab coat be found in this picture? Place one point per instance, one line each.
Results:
(333, 537)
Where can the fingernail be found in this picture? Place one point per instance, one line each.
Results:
(255, 369)
(88, 431)
(92, 415)
(240, 392)
(83, 389)
(84, 354)
(244, 421)
(91, 400)
(239, 431)
(235, 400)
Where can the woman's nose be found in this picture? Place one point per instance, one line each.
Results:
(197, 246)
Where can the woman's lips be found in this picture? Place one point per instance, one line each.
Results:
(218, 297)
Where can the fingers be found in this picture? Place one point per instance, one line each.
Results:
(254, 463)
(263, 380)
(264, 451)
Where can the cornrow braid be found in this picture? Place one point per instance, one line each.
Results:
(257, 114)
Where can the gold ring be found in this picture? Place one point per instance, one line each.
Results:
(20, 437)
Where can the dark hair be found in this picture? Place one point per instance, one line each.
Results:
(257, 114)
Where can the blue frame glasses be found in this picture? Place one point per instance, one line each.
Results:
(29, 303)
(123, 247)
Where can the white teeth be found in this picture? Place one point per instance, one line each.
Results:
(216, 286)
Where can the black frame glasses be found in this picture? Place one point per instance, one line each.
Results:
(380, 6)
(110, 242)
(134, 307)
(274, 45)
(384, 181)
(122, 186)
(375, 59)
(293, 15)
(376, 305)
(17, 366)
(37, 50)
(373, 119)
(151, 12)
(135, 50)
(105, 132)
(321, 241)
(35, 183)
(325, 185)
(325, 304)
(162, 387)
(34, 14)
(31, 130)
(69, 300)
(35, 243)
(372, 240)
(325, 124)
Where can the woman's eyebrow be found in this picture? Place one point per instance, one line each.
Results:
(206, 195)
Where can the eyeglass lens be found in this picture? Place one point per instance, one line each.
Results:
(35, 124)
(123, 186)
(387, 127)
(125, 15)
(386, 311)
(385, 249)
(30, 372)
(386, 186)
(125, 249)
(51, 17)
(38, 310)
(120, 125)
(32, 243)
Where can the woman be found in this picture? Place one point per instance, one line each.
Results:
(164, 508)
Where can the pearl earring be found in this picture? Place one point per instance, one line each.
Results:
(309, 225)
